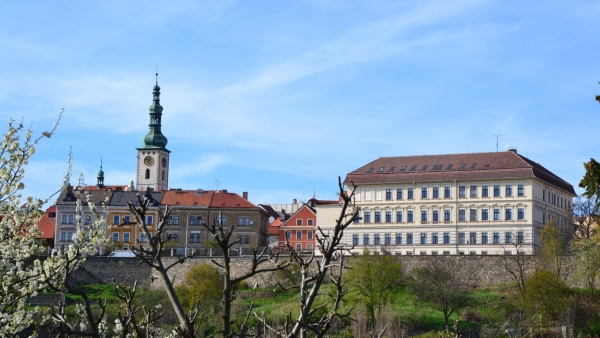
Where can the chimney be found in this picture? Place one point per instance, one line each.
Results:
(245, 195)
(295, 201)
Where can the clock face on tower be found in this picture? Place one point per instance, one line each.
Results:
(164, 162)
(148, 160)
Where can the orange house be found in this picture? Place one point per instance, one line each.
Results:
(299, 230)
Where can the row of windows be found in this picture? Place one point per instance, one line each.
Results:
(309, 234)
(436, 238)
(308, 222)
(435, 215)
(126, 236)
(309, 248)
(435, 192)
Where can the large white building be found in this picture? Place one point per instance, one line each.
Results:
(480, 203)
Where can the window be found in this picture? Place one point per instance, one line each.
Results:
(169, 219)
(446, 192)
(409, 238)
(473, 215)
(388, 216)
(473, 238)
(388, 239)
(309, 222)
(473, 191)
(446, 238)
(463, 166)
(446, 215)
(398, 238)
(423, 216)
(423, 238)
(484, 191)
(147, 174)
(298, 222)
(434, 238)
(309, 234)
(88, 219)
(410, 193)
(150, 219)
(496, 214)
(381, 169)
(66, 236)
(496, 238)
(192, 220)
(175, 220)
(520, 237)
(403, 168)
(126, 237)
(521, 190)
(365, 239)
(436, 192)
(127, 219)
(367, 217)
(356, 219)
(245, 221)
(423, 192)
(246, 239)
(223, 220)
(398, 194)
(288, 234)
(413, 168)
(449, 167)
(461, 191)
(496, 191)
(461, 238)
(115, 236)
(398, 216)
(355, 239)
(298, 234)
(142, 238)
(484, 238)
(377, 216)
(436, 216)
(116, 219)
(508, 190)
(410, 216)
(391, 169)
(508, 237)
(298, 247)
(484, 214)
(309, 246)
(521, 213)
(376, 239)
(388, 194)
(461, 215)
(473, 165)
(424, 168)
(508, 214)
(195, 238)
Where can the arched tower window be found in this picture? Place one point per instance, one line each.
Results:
(147, 174)
(163, 175)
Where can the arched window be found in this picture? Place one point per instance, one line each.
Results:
(163, 175)
(147, 174)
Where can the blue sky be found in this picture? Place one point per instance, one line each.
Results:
(279, 98)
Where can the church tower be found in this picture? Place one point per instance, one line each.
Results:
(153, 157)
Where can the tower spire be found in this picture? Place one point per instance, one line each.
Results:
(100, 182)
(154, 139)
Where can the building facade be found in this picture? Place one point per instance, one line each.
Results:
(481, 203)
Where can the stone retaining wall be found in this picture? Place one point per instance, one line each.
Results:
(485, 269)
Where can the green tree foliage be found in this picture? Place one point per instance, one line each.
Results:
(591, 181)
(586, 263)
(374, 277)
(202, 284)
(555, 244)
(546, 295)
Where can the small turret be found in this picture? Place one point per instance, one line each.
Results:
(100, 182)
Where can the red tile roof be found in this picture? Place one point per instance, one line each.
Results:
(46, 227)
(210, 198)
(274, 227)
(495, 165)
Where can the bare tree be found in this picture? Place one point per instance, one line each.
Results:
(259, 263)
(152, 257)
(315, 271)
(447, 284)
(584, 220)
(519, 265)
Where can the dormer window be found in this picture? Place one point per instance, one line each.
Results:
(391, 169)
(473, 165)
(463, 166)
(403, 168)
(413, 168)
(449, 166)
(424, 168)
(381, 169)
(370, 170)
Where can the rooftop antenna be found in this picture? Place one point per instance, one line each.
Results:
(217, 182)
(497, 136)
